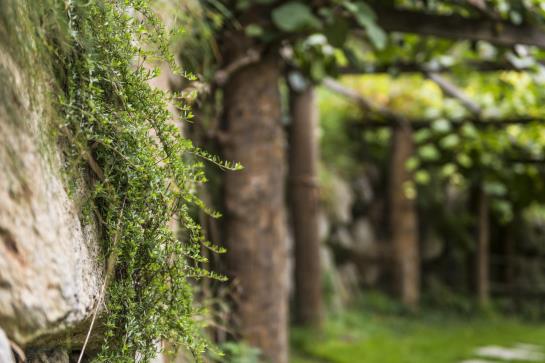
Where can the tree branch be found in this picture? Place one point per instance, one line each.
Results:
(222, 76)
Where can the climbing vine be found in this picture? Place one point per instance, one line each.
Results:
(140, 171)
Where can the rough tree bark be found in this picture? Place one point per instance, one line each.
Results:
(255, 231)
(482, 255)
(304, 198)
(403, 220)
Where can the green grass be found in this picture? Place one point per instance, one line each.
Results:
(393, 338)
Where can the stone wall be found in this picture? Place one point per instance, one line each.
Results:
(50, 260)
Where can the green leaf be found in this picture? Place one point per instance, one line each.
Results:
(441, 125)
(422, 177)
(468, 130)
(428, 152)
(362, 12)
(495, 188)
(327, 14)
(448, 170)
(412, 163)
(337, 32)
(464, 160)
(294, 16)
(422, 135)
(243, 4)
(317, 70)
(376, 35)
(504, 209)
(450, 141)
(366, 17)
(254, 30)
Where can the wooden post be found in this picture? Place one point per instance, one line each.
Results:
(403, 219)
(255, 232)
(304, 198)
(483, 250)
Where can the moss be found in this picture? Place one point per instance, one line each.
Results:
(8, 97)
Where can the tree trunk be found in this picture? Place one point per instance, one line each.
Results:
(403, 220)
(304, 198)
(482, 260)
(255, 231)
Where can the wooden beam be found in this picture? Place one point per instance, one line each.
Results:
(457, 27)
(364, 103)
(527, 161)
(451, 90)
(351, 94)
(372, 122)
(419, 67)
(379, 116)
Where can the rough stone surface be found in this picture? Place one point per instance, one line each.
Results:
(58, 355)
(432, 247)
(6, 356)
(341, 200)
(363, 189)
(364, 239)
(49, 271)
(324, 226)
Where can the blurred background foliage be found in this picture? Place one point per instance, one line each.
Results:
(492, 139)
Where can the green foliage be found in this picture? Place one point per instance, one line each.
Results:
(141, 171)
(315, 57)
(196, 46)
(365, 16)
(240, 352)
(333, 18)
(294, 16)
(433, 336)
(334, 134)
(294, 23)
(459, 153)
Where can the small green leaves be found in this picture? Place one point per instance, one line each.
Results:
(294, 16)
(150, 173)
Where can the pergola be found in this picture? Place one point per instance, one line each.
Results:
(487, 27)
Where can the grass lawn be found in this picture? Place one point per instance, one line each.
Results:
(393, 338)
